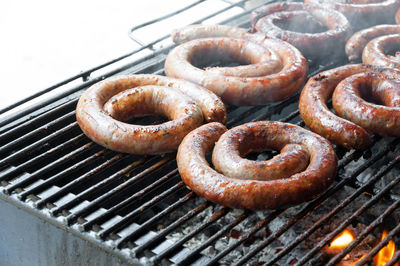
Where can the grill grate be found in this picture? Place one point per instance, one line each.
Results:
(122, 201)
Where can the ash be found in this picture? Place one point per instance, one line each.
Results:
(242, 230)
(372, 170)
(248, 242)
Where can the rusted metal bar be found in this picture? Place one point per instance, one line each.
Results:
(130, 216)
(146, 225)
(381, 244)
(213, 218)
(138, 250)
(189, 257)
(364, 233)
(95, 203)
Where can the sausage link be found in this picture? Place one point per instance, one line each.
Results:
(318, 117)
(236, 143)
(314, 30)
(249, 89)
(376, 51)
(355, 45)
(147, 94)
(256, 194)
(398, 16)
(363, 13)
(348, 102)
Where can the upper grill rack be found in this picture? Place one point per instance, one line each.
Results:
(135, 205)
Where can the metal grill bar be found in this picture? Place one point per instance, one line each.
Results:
(84, 194)
(338, 208)
(254, 230)
(96, 202)
(343, 225)
(129, 217)
(364, 233)
(216, 216)
(38, 144)
(139, 230)
(396, 258)
(27, 125)
(68, 187)
(136, 251)
(41, 131)
(36, 175)
(7, 175)
(381, 244)
(189, 257)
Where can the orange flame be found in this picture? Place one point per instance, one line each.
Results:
(342, 240)
(386, 253)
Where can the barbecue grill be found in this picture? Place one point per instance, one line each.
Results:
(66, 200)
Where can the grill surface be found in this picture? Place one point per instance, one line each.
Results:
(133, 206)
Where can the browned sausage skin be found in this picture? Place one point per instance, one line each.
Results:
(236, 143)
(148, 94)
(398, 16)
(355, 45)
(348, 102)
(256, 194)
(320, 119)
(377, 52)
(314, 30)
(363, 13)
(272, 84)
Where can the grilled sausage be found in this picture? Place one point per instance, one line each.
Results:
(147, 94)
(376, 51)
(314, 30)
(230, 149)
(270, 83)
(357, 42)
(398, 16)
(318, 117)
(382, 120)
(257, 194)
(363, 13)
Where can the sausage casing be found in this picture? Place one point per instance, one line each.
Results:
(148, 94)
(255, 194)
(314, 30)
(241, 90)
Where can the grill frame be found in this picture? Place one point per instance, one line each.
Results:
(49, 108)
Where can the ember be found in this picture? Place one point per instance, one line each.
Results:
(386, 253)
(340, 242)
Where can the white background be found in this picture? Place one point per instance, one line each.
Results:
(44, 42)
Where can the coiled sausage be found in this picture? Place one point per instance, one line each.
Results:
(377, 51)
(317, 116)
(384, 86)
(314, 30)
(143, 95)
(355, 45)
(257, 194)
(270, 83)
(363, 13)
